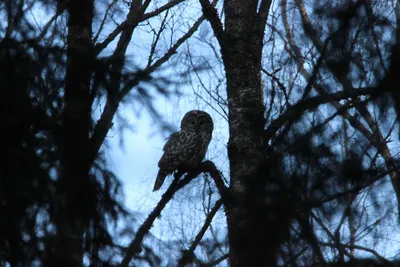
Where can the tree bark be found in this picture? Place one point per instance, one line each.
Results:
(247, 217)
(73, 178)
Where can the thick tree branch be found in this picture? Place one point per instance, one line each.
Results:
(224, 192)
(172, 50)
(309, 234)
(263, 11)
(308, 28)
(113, 97)
(217, 261)
(294, 112)
(315, 203)
(135, 246)
(133, 23)
(161, 9)
(211, 14)
(133, 18)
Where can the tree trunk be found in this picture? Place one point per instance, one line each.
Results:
(73, 176)
(247, 217)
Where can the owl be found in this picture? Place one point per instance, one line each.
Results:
(186, 148)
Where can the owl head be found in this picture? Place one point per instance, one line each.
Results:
(197, 121)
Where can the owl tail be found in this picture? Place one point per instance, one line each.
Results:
(160, 179)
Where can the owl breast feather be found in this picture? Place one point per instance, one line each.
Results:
(200, 151)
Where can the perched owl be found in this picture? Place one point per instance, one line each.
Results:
(186, 148)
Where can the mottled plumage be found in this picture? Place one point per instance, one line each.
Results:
(186, 148)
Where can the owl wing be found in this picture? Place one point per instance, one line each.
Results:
(171, 140)
(179, 148)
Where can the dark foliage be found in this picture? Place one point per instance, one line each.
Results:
(27, 186)
(31, 104)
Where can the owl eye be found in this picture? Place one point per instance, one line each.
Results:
(202, 122)
(193, 122)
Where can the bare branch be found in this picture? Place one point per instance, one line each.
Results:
(47, 26)
(156, 39)
(280, 85)
(313, 203)
(188, 254)
(125, 90)
(295, 257)
(103, 21)
(135, 246)
(211, 15)
(373, 252)
(264, 10)
(127, 27)
(217, 261)
(161, 9)
(219, 182)
(309, 234)
(133, 23)
(294, 112)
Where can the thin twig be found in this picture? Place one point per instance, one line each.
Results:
(188, 254)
